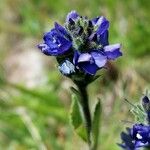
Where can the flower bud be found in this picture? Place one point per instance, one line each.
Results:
(146, 103)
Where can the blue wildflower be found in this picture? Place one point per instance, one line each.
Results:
(93, 61)
(146, 103)
(73, 15)
(112, 51)
(101, 24)
(146, 106)
(83, 42)
(90, 62)
(67, 68)
(136, 137)
(56, 42)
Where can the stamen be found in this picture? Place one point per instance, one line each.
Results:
(139, 136)
(59, 45)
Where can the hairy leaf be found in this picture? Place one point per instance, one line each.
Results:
(76, 118)
(96, 124)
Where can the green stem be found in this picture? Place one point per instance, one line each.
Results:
(86, 110)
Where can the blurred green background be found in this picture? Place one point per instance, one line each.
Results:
(35, 98)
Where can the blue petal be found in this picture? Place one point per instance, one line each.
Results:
(49, 37)
(113, 51)
(47, 50)
(57, 44)
(64, 44)
(94, 20)
(61, 29)
(99, 58)
(89, 68)
(67, 68)
(75, 57)
(44, 48)
(127, 141)
(140, 144)
(145, 100)
(85, 57)
(103, 25)
(72, 15)
(103, 39)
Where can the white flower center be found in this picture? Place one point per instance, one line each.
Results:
(59, 45)
(139, 136)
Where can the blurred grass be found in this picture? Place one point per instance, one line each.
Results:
(40, 114)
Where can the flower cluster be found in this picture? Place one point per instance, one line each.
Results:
(80, 46)
(139, 135)
(136, 137)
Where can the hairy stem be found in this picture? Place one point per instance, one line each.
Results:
(86, 110)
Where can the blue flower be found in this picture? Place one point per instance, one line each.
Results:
(146, 106)
(83, 42)
(112, 51)
(146, 103)
(91, 62)
(66, 68)
(102, 25)
(56, 42)
(136, 137)
(145, 100)
(73, 15)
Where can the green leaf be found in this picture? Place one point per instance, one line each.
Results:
(96, 124)
(82, 132)
(76, 118)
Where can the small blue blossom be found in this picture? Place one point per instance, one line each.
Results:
(101, 24)
(145, 100)
(95, 60)
(67, 68)
(56, 42)
(136, 137)
(112, 51)
(146, 103)
(90, 62)
(146, 106)
(73, 15)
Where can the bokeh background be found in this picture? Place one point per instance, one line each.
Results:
(35, 98)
